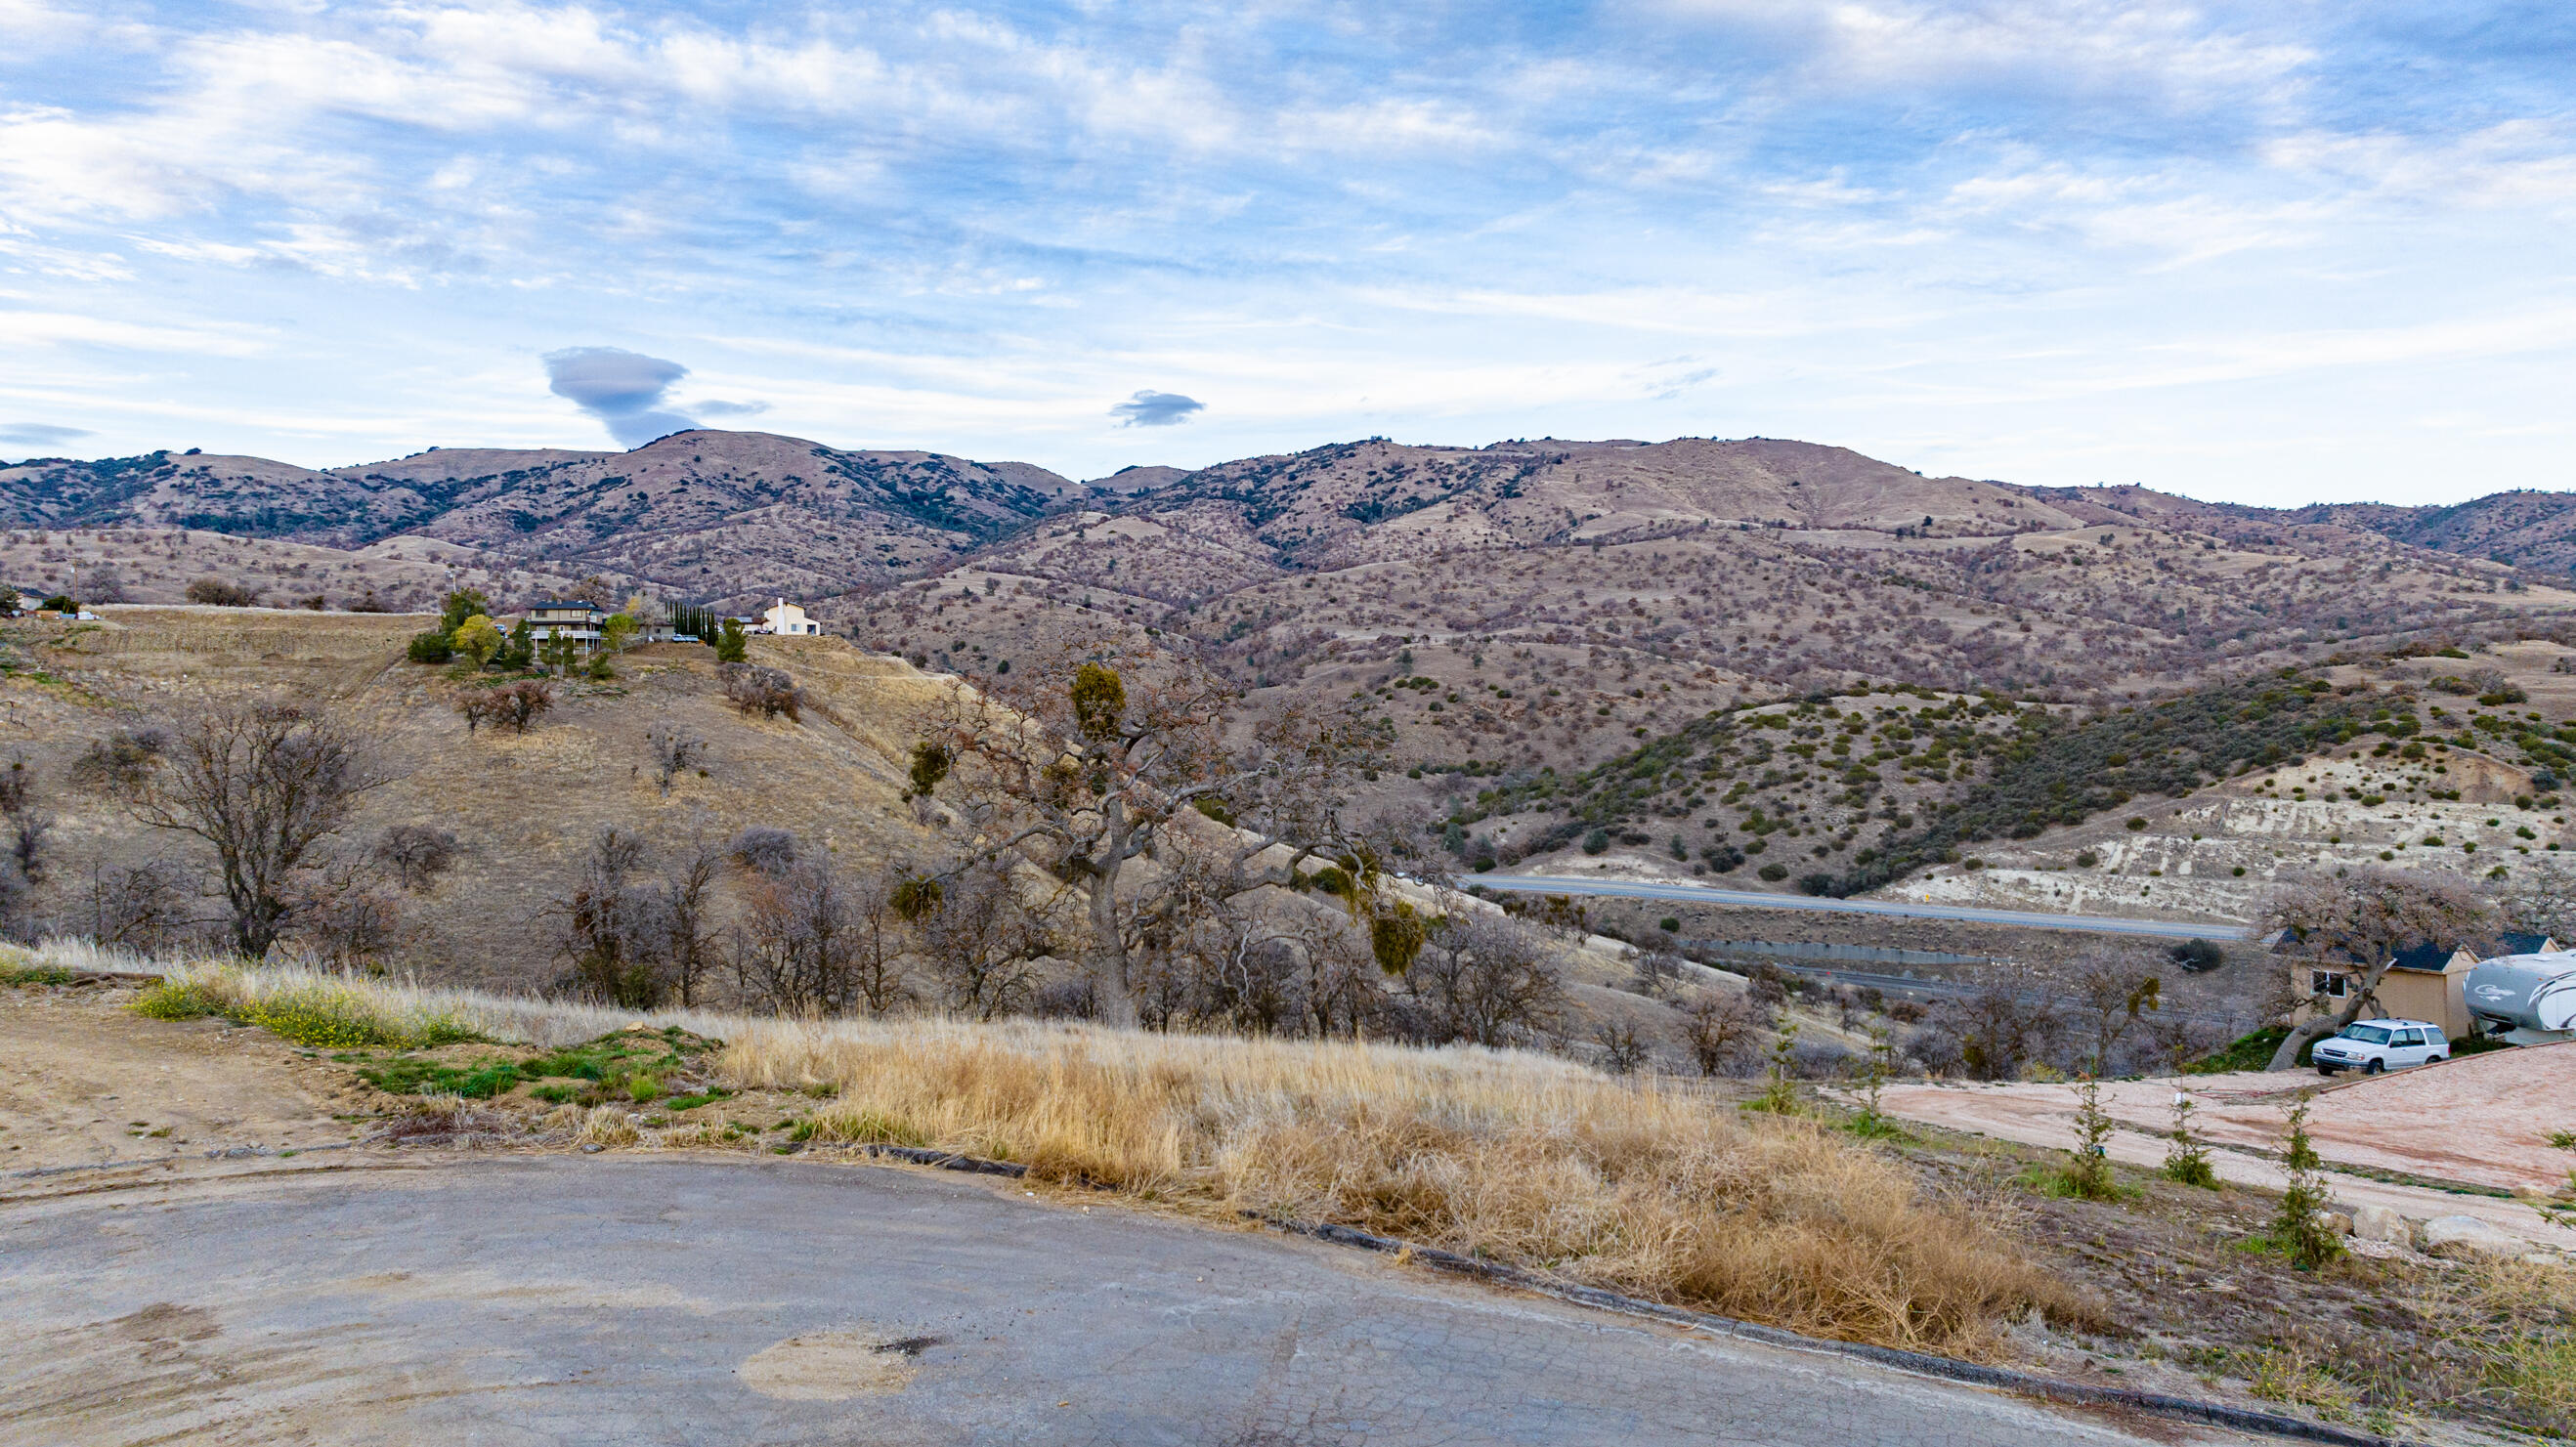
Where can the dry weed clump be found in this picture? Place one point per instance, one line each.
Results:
(1509, 1157)
(607, 1125)
(446, 1120)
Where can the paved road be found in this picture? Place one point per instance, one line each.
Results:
(668, 1300)
(1928, 989)
(1702, 894)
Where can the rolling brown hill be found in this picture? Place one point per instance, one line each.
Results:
(523, 807)
(725, 516)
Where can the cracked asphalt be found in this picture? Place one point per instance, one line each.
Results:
(620, 1299)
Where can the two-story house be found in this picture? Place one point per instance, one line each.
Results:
(570, 619)
(787, 620)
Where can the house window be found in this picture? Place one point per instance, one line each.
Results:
(2331, 983)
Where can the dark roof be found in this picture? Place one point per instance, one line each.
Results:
(2422, 955)
(2433, 957)
(565, 603)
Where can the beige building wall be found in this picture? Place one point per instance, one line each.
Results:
(2403, 994)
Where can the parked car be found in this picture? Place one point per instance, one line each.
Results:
(2371, 1046)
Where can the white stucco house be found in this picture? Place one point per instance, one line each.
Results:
(787, 620)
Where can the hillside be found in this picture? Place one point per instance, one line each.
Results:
(1506, 610)
(523, 808)
(2524, 528)
(2195, 805)
(156, 565)
(708, 515)
(1501, 636)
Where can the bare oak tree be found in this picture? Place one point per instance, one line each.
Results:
(984, 940)
(1087, 761)
(2110, 991)
(2359, 921)
(261, 783)
(1719, 1028)
(1486, 978)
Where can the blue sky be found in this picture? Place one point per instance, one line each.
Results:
(2275, 253)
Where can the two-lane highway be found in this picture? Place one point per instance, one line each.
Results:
(1755, 899)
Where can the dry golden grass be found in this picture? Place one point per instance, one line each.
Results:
(1511, 1157)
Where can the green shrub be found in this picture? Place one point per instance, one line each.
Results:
(433, 646)
(323, 1022)
(178, 1000)
(320, 1017)
(1774, 872)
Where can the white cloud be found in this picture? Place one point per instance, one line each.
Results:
(53, 329)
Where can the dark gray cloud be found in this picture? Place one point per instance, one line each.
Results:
(1156, 409)
(625, 390)
(39, 434)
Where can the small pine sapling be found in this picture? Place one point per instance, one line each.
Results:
(1780, 1091)
(1874, 1070)
(2186, 1154)
(2088, 1169)
(2299, 1230)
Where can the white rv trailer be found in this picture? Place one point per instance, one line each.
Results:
(2525, 999)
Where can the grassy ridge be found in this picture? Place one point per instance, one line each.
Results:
(2061, 771)
(2010, 771)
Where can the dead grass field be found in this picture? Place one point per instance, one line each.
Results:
(1514, 1157)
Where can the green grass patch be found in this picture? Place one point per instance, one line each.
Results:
(1871, 1126)
(2059, 1182)
(2247, 1052)
(431, 1077)
(319, 1018)
(624, 1066)
(34, 974)
(708, 1096)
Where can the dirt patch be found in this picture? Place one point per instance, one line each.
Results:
(833, 1366)
(2371, 1134)
(84, 1080)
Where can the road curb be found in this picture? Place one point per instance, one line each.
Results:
(2189, 1409)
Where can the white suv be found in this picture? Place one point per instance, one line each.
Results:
(2371, 1046)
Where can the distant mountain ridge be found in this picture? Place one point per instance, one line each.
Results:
(722, 514)
(707, 513)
